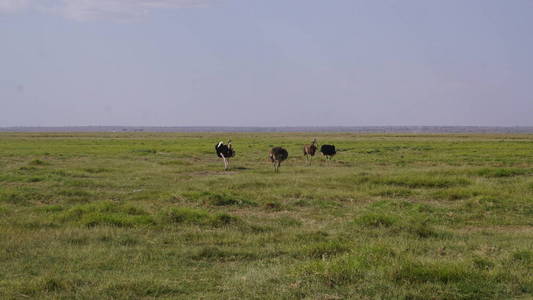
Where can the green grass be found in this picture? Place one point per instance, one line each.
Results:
(153, 215)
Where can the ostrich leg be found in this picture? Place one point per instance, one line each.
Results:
(225, 162)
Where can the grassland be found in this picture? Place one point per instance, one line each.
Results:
(138, 215)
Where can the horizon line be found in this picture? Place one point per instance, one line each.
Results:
(428, 129)
(259, 126)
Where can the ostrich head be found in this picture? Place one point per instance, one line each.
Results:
(229, 143)
(314, 142)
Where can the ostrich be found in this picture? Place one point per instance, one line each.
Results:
(328, 151)
(225, 152)
(309, 151)
(277, 155)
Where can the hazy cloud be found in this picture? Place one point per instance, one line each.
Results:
(10, 6)
(82, 10)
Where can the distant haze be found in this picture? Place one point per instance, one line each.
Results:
(314, 129)
(266, 63)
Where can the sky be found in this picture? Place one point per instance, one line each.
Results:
(266, 63)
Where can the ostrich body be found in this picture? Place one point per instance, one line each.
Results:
(309, 151)
(328, 151)
(277, 155)
(225, 152)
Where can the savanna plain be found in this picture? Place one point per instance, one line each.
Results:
(154, 215)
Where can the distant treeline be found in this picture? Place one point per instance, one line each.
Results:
(357, 129)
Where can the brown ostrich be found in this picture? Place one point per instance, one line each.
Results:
(277, 155)
(309, 151)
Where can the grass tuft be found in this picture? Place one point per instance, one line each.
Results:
(340, 271)
(50, 208)
(501, 172)
(38, 162)
(393, 192)
(416, 272)
(483, 263)
(218, 199)
(143, 289)
(144, 151)
(184, 215)
(96, 170)
(217, 254)
(523, 256)
(374, 219)
(325, 250)
(460, 279)
(105, 213)
(455, 194)
(426, 181)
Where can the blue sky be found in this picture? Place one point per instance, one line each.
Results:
(266, 63)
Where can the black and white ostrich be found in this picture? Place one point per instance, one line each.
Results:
(309, 151)
(277, 155)
(225, 152)
(328, 151)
